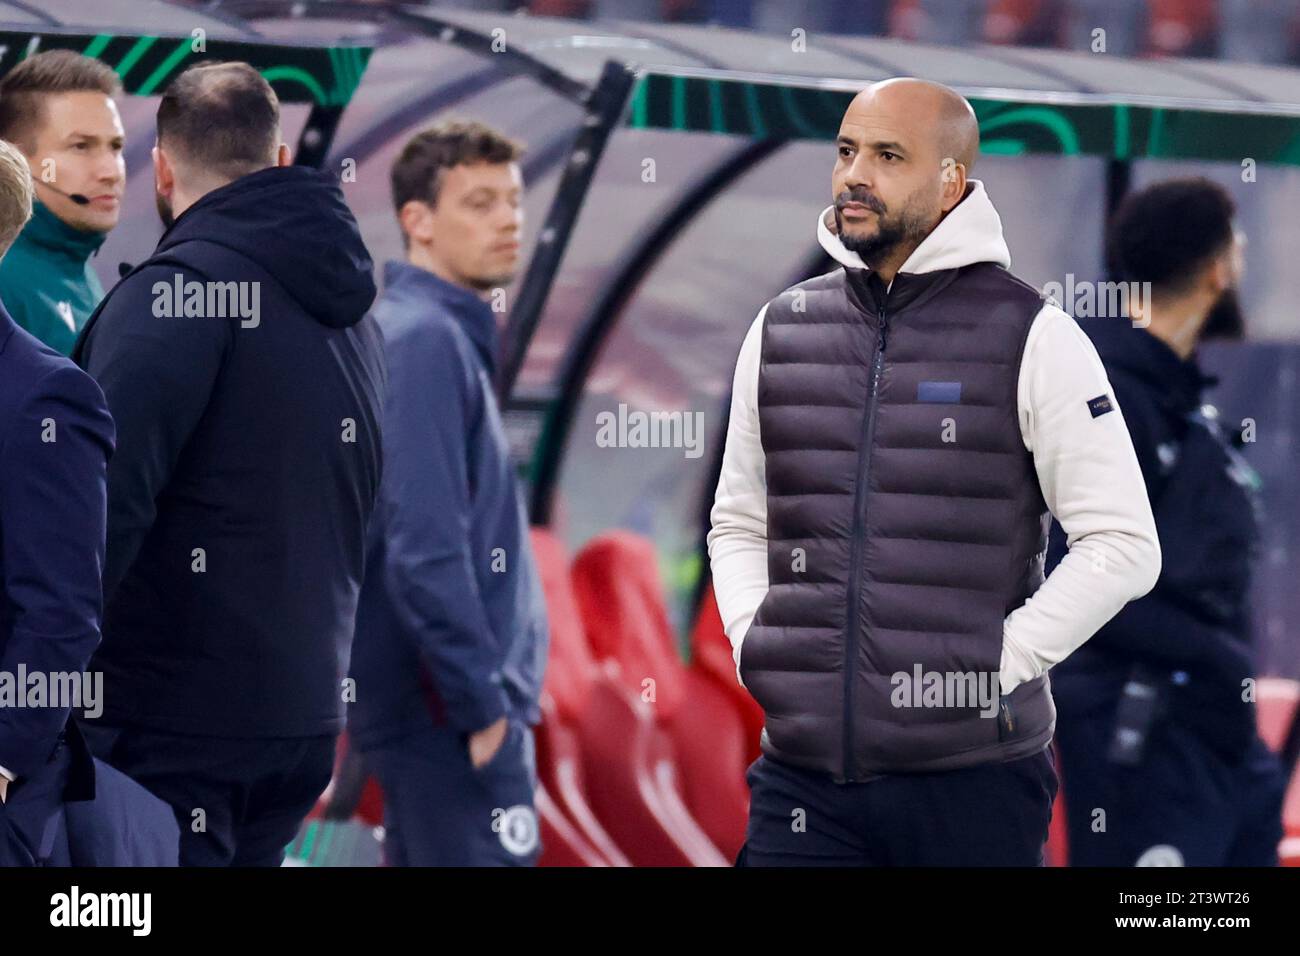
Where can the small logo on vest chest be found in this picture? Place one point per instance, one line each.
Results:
(948, 393)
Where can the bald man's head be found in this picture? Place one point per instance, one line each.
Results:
(933, 110)
(905, 147)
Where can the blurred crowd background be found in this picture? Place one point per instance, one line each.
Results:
(1252, 31)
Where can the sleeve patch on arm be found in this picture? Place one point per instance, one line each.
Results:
(1100, 405)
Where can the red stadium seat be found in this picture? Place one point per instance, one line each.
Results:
(562, 843)
(1289, 850)
(616, 582)
(570, 672)
(1024, 22)
(596, 749)
(370, 809)
(711, 656)
(702, 745)
(1182, 27)
(1276, 699)
(560, 771)
(570, 663)
(1057, 850)
(1276, 703)
(632, 780)
(713, 763)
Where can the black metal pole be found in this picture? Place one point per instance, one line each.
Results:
(589, 339)
(1119, 178)
(317, 135)
(605, 105)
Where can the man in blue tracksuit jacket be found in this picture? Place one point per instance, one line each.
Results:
(451, 634)
(1161, 761)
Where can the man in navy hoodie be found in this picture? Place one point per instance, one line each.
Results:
(55, 439)
(247, 387)
(1161, 701)
(451, 631)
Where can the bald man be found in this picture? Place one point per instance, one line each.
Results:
(900, 429)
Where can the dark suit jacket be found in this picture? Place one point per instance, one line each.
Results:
(56, 436)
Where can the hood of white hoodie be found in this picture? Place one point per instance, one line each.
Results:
(970, 233)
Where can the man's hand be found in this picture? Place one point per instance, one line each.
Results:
(484, 744)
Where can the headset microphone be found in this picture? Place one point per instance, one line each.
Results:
(79, 199)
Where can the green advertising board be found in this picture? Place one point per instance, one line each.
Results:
(1070, 125)
(320, 76)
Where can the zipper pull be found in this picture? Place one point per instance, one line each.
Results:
(884, 329)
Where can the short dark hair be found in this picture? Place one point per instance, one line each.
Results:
(418, 171)
(1165, 233)
(46, 74)
(223, 117)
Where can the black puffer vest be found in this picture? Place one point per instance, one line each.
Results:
(905, 522)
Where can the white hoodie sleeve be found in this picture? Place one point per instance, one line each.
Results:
(737, 538)
(1092, 484)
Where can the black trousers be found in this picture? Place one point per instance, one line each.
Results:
(239, 801)
(989, 815)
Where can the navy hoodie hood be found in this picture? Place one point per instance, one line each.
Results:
(259, 442)
(292, 221)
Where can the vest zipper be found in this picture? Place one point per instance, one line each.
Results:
(856, 546)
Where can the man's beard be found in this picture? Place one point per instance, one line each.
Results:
(1226, 320)
(911, 224)
(164, 210)
(490, 282)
